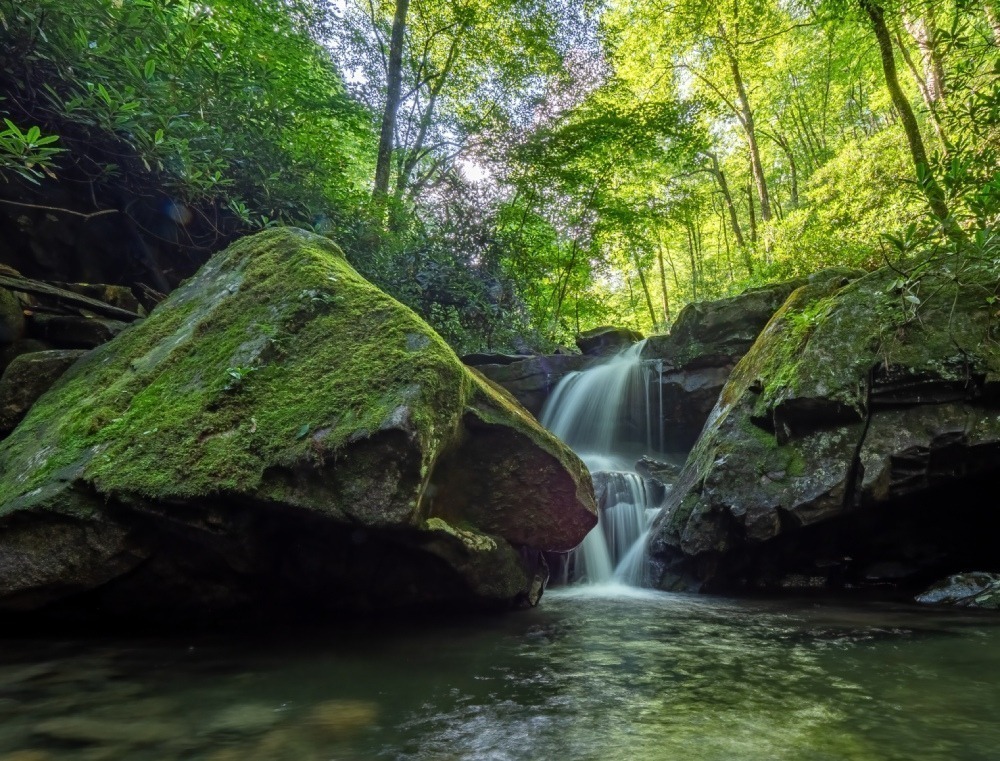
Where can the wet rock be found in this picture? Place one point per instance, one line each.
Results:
(339, 719)
(605, 340)
(279, 438)
(86, 730)
(664, 472)
(243, 720)
(965, 590)
(844, 431)
(27, 755)
(27, 378)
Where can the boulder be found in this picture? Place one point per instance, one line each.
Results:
(11, 317)
(606, 339)
(705, 343)
(280, 438)
(532, 380)
(965, 590)
(73, 331)
(27, 378)
(852, 437)
(23, 346)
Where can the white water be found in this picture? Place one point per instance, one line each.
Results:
(606, 414)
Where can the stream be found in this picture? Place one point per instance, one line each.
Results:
(595, 672)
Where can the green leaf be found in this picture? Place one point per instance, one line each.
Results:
(303, 431)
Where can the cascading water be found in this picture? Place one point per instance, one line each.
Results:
(609, 416)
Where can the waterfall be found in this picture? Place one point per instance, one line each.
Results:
(609, 416)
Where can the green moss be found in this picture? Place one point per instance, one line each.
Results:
(473, 540)
(155, 406)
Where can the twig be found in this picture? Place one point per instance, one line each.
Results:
(58, 208)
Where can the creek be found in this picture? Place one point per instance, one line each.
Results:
(596, 672)
(602, 669)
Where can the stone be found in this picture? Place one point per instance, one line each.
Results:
(24, 346)
(243, 720)
(12, 325)
(279, 438)
(477, 359)
(26, 379)
(338, 719)
(120, 296)
(74, 332)
(605, 340)
(849, 424)
(974, 589)
(532, 380)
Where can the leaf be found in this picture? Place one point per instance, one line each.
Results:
(303, 431)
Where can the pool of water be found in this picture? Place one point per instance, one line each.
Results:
(591, 674)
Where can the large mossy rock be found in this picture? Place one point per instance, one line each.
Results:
(696, 357)
(280, 435)
(848, 446)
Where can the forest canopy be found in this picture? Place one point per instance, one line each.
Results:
(521, 170)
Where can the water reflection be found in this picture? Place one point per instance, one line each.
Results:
(592, 674)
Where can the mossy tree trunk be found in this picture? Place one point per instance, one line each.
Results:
(928, 183)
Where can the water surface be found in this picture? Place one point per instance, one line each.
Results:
(591, 674)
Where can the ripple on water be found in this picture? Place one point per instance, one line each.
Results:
(594, 673)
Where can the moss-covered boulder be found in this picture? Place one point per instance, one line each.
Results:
(696, 357)
(280, 434)
(848, 445)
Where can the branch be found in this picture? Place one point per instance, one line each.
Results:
(59, 208)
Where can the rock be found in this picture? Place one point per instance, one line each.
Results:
(27, 378)
(24, 346)
(339, 719)
(606, 340)
(484, 358)
(664, 472)
(244, 720)
(116, 295)
(72, 332)
(701, 349)
(965, 590)
(279, 438)
(87, 730)
(11, 317)
(532, 380)
(841, 434)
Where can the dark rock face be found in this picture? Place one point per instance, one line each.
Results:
(280, 438)
(27, 378)
(532, 380)
(826, 460)
(605, 340)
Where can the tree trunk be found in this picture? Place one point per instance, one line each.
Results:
(394, 87)
(663, 283)
(645, 292)
(749, 127)
(753, 214)
(993, 18)
(783, 144)
(416, 151)
(932, 191)
(720, 178)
